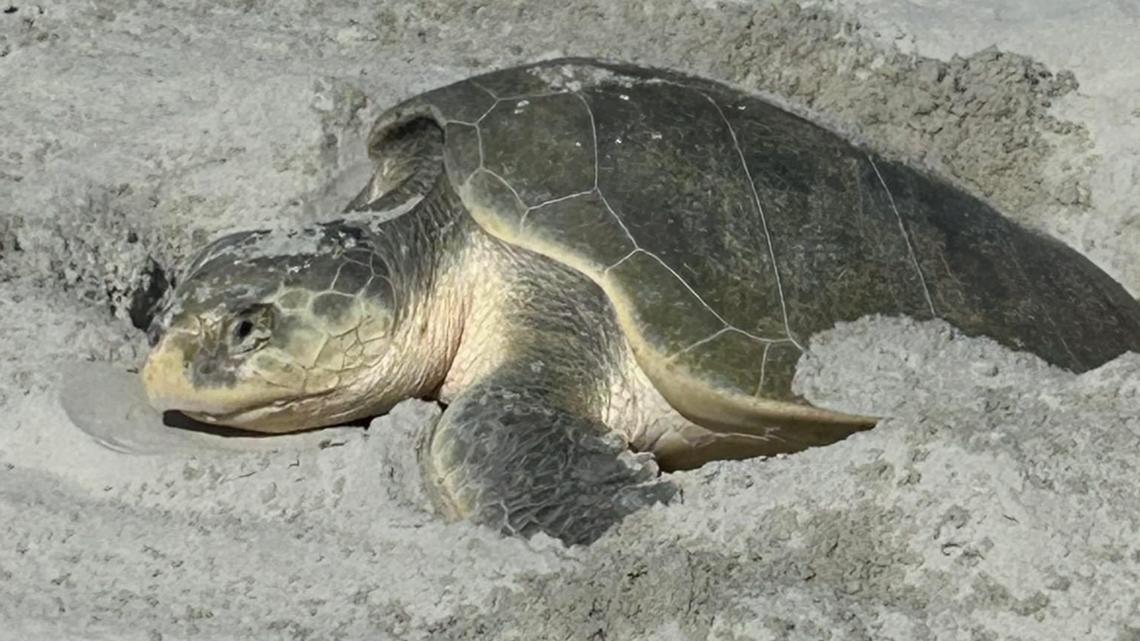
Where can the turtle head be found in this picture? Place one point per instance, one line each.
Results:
(277, 331)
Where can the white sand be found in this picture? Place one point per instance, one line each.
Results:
(999, 501)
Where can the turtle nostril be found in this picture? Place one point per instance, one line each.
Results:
(153, 334)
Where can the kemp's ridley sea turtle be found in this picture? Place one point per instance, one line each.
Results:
(602, 266)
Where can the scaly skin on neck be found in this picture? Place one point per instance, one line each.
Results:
(477, 305)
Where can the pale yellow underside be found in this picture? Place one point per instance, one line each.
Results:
(696, 399)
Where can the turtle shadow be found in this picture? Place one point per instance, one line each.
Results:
(173, 419)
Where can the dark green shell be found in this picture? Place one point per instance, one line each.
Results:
(729, 230)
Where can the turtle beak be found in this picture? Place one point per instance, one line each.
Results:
(165, 375)
(181, 375)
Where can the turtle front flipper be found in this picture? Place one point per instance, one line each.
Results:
(506, 456)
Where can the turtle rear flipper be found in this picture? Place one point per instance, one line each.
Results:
(690, 446)
(408, 159)
(506, 456)
(773, 426)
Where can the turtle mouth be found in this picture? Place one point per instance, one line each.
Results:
(275, 416)
(225, 398)
(252, 415)
(253, 407)
(292, 413)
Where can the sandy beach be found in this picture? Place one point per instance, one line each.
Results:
(998, 500)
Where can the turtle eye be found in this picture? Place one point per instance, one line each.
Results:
(250, 328)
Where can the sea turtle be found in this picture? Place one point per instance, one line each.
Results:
(602, 269)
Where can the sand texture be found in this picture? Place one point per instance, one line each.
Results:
(998, 501)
